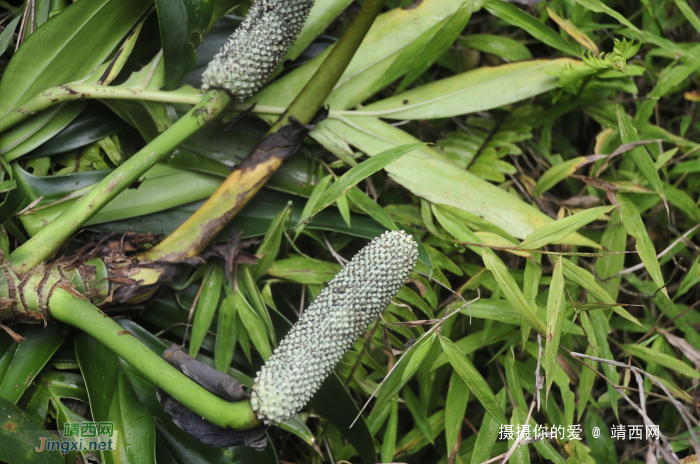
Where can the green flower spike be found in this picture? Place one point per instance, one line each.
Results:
(260, 43)
(331, 324)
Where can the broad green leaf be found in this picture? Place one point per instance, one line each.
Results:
(20, 435)
(6, 34)
(113, 388)
(21, 363)
(182, 27)
(455, 409)
(439, 43)
(511, 290)
(253, 295)
(389, 441)
(505, 47)
(477, 340)
(558, 230)
(391, 33)
(556, 174)
(488, 432)
(225, 334)
(161, 190)
(358, 173)
(518, 18)
(555, 321)
(482, 89)
(270, 246)
(206, 306)
(428, 175)
(473, 379)
(634, 225)
(669, 362)
(32, 133)
(67, 48)
(304, 270)
(254, 325)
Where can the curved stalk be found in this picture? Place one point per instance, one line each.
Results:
(78, 312)
(50, 238)
(281, 142)
(73, 92)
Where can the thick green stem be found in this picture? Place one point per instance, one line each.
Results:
(73, 92)
(281, 142)
(71, 309)
(49, 239)
(314, 94)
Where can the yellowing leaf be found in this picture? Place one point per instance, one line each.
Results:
(577, 34)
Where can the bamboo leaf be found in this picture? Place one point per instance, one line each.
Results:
(511, 290)
(404, 371)
(270, 246)
(669, 362)
(389, 442)
(473, 379)
(505, 47)
(357, 174)
(206, 307)
(478, 90)
(600, 7)
(455, 408)
(555, 321)
(488, 433)
(518, 18)
(254, 325)
(556, 174)
(634, 226)
(358, 198)
(558, 230)
(225, 334)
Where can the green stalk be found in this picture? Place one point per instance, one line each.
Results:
(50, 238)
(78, 312)
(192, 237)
(73, 92)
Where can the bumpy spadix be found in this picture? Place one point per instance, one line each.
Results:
(331, 324)
(252, 53)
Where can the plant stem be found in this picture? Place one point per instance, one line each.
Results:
(281, 142)
(78, 312)
(74, 92)
(50, 238)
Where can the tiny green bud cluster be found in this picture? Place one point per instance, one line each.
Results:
(331, 325)
(254, 50)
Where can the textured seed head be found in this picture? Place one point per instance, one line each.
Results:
(331, 324)
(255, 49)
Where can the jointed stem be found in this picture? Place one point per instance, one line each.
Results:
(50, 238)
(80, 313)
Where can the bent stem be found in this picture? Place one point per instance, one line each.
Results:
(73, 92)
(280, 143)
(80, 313)
(50, 238)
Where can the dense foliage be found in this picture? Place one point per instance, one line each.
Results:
(544, 155)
